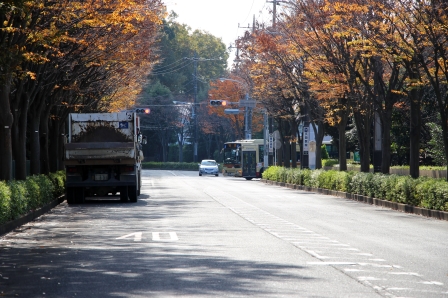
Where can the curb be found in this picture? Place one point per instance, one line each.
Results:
(442, 215)
(11, 225)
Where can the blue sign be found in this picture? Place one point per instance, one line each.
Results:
(123, 125)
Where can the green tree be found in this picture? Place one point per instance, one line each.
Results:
(187, 61)
(436, 144)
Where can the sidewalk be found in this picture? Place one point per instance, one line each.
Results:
(442, 215)
(9, 226)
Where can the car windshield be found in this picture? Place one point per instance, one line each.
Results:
(208, 163)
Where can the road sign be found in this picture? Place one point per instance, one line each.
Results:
(231, 111)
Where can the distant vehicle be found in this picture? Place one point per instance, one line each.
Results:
(244, 158)
(208, 167)
(103, 155)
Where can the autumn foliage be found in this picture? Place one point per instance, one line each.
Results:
(360, 59)
(67, 56)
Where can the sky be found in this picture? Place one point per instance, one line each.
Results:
(222, 19)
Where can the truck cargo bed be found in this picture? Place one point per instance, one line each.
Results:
(99, 150)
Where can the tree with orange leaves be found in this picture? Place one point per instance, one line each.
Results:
(276, 69)
(65, 53)
(231, 93)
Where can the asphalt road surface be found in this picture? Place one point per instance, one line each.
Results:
(191, 236)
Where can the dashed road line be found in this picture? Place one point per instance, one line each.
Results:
(361, 266)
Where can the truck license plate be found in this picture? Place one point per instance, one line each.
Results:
(100, 177)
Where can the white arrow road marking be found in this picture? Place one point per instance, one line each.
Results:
(172, 236)
(137, 236)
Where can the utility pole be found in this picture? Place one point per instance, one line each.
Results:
(270, 120)
(195, 80)
(274, 11)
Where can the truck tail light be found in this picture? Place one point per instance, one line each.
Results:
(127, 169)
(72, 170)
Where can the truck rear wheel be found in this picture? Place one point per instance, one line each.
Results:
(133, 193)
(70, 195)
(124, 193)
(79, 195)
(74, 195)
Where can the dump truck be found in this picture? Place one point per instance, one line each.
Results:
(103, 155)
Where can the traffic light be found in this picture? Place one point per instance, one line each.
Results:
(143, 110)
(216, 103)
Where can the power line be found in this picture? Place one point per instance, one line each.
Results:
(179, 67)
(166, 66)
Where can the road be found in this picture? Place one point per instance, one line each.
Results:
(191, 236)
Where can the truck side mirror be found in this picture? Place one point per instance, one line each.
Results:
(144, 140)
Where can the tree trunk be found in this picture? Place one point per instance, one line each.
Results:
(54, 145)
(415, 126)
(294, 128)
(286, 148)
(43, 142)
(63, 140)
(287, 153)
(386, 150)
(34, 143)
(19, 129)
(35, 115)
(363, 125)
(6, 121)
(342, 154)
(319, 138)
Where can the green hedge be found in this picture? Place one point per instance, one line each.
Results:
(422, 192)
(19, 197)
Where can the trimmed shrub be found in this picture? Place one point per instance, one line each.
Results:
(314, 178)
(269, 173)
(343, 179)
(329, 162)
(433, 194)
(58, 181)
(32, 187)
(441, 197)
(327, 180)
(404, 190)
(19, 198)
(5, 203)
(46, 189)
(425, 192)
(297, 176)
(362, 184)
(290, 176)
(306, 176)
(281, 174)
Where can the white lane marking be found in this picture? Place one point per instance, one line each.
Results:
(316, 255)
(332, 263)
(305, 239)
(432, 283)
(365, 278)
(137, 236)
(172, 236)
(404, 273)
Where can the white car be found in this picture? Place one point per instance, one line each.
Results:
(208, 167)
